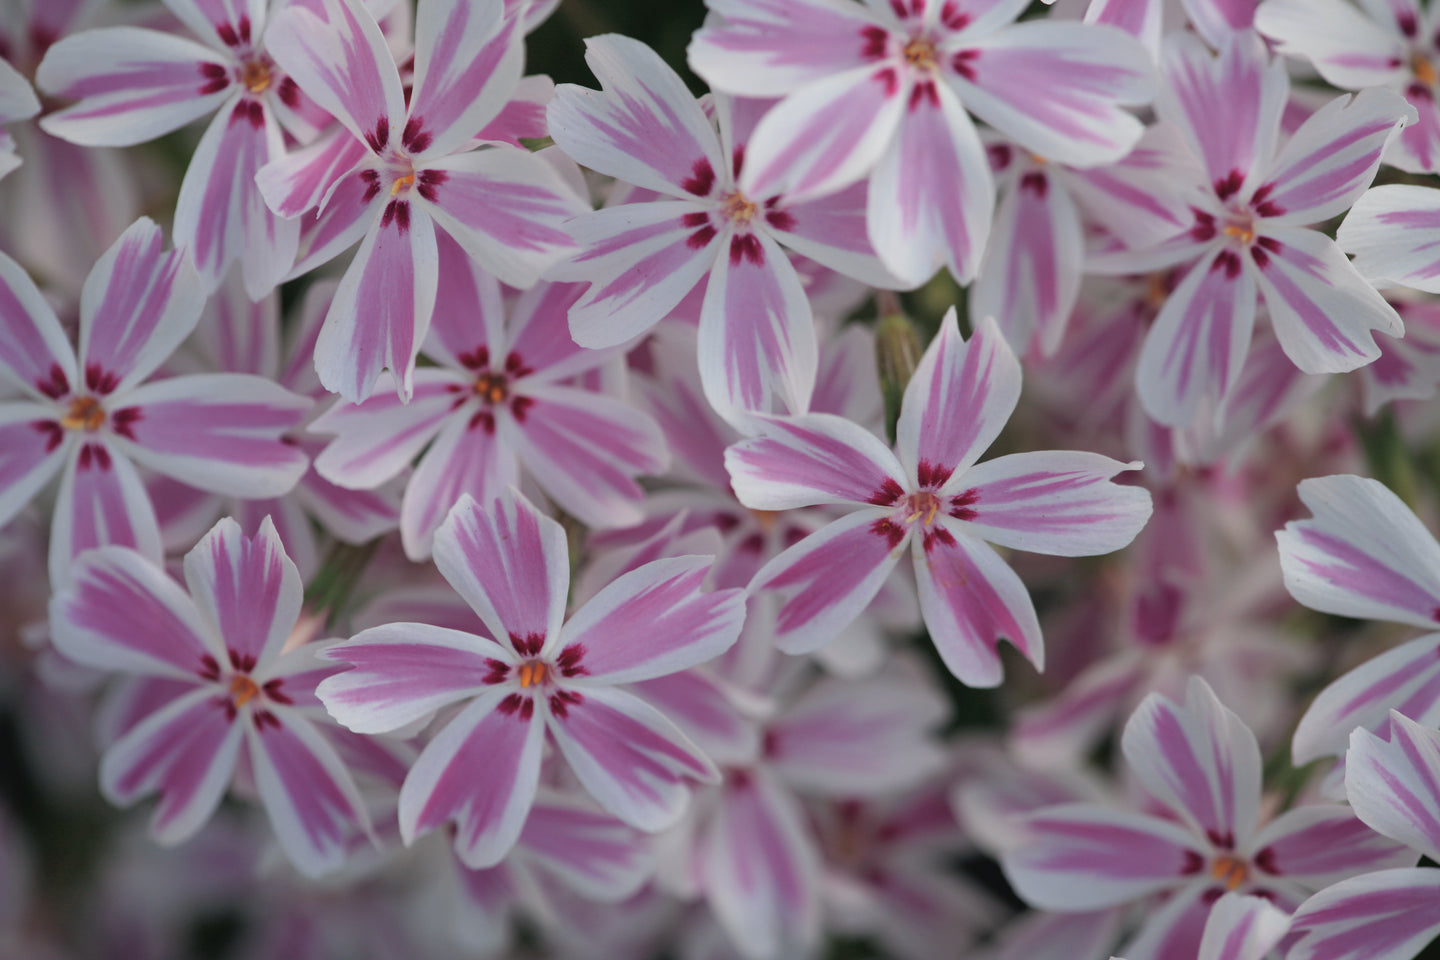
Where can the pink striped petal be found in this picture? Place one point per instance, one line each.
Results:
(247, 587)
(465, 459)
(1391, 232)
(523, 116)
(353, 516)
(341, 62)
(220, 216)
(825, 136)
(233, 22)
(375, 440)
(770, 47)
(510, 563)
(1242, 928)
(644, 126)
(17, 98)
(1072, 723)
(762, 869)
(29, 457)
(1348, 48)
(858, 738)
(1079, 856)
(348, 216)
(1218, 20)
(956, 403)
(507, 208)
(382, 307)
(137, 305)
(238, 335)
(1364, 554)
(641, 259)
(298, 181)
(481, 772)
(1319, 844)
(1199, 760)
(931, 196)
(1194, 353)
(1057, 88)
(1174, 928)
(807, 460)
(309, 795)
(1394, 784)
(705, 711)
(1030, 277)
(585, 450)
(468, 59)
(629, 757)
(1139, 18)
(1228, 106)
(1388, 915)
(217, 431)
(832, 231)
(590, 852)
(121, 612)
(101, 501)
(469, 310)
(186, 752)
(132, 85)
(826, 580)
(403, 672)
(757, 336)
(539, 331)
(1135, 198)
(650, 622)
(1417, 149)
(1060, 503)
(35, 353)
(970, 599)
(1406, 679)
(1334, 156)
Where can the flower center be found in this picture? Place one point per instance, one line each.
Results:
(402, 183)
(923, 504)
(243, 689)
(920, 53)
(255, 75)
(492, 387)
(739, 208)
(1229, 870)
(85, 413)
(1423, 69)
(533, 673)
(1241, 227)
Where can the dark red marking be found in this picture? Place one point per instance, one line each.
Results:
(414, 137)
(273, 691)
(57, 384)
(701, 180)
(889, 492)
(963, 63)
(123, 421)
(890, 530)
(380, 136)
(428, 181)
(960, 507)
(875, 40)
(1036, 182)
(568, 663)
(932, 475)
(746, 246)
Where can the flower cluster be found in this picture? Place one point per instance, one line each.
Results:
(831, 516)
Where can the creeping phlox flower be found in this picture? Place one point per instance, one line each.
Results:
(930, 493)
(504, 394)
(223, 646)
(482, 769)
(1364, 554)
(413, 170)
(707, 222)
(885, 88)
(134, 84)
(1201, 765)
(1250, 238)
(88, 415)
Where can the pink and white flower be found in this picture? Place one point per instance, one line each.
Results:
(931, 495)
(409, 172)
(543, 681)
(236, 690)
(91, 417)
(884, 90)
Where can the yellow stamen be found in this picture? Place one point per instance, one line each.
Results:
(85, 413)
(532, 674)
(401, 184)
(740, 208)
(925, 503)
(1424, 70)
(255, 76)
(920, 53)
(1231, 870)
(766, 518)
(492, 388)
(1157, 290)
(1243, 234)
(243, 689)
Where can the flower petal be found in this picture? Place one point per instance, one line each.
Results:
(132, 85)
(30, 455)
(35, 353)
(1060, 503)
(1391, 232)
(247, 587)
(101, 501)
(1243, 928)
(1388, 915)
(1394, 784)
(956, 403)
(468, 59)
(510, 563)
(628, 756)
(1318, 844)
(771, 47)
(811, 459)
(465, 459)
(1349, 49)
(217, 431)
(481, 771)
(300, 180)
(590, 852)
(378, 438)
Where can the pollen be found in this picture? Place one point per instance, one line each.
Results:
(1230, 870)
(533, 673)
(402, 183)
(85, 413)
(492, 388)
(255, 75)
(1242, 232)
(920, 54)
(740, 208)
(243, 689)
(924, 504)
(1424, 70)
